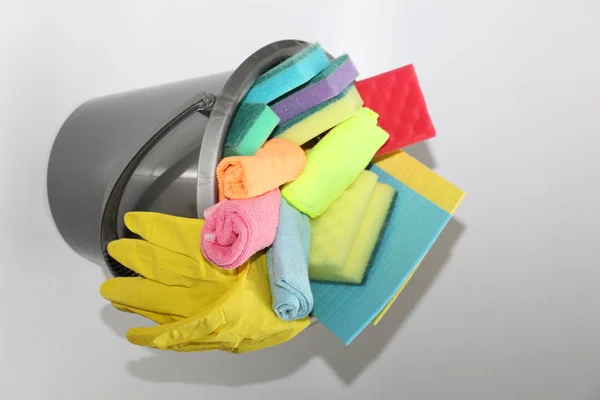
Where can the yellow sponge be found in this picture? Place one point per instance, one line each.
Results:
(368, 234)
(333, 233)
(323, 117)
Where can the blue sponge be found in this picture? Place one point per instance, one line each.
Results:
(288, 75)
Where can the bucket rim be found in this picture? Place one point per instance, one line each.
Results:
(224, 109)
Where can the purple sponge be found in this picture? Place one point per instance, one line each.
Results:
(330, 82)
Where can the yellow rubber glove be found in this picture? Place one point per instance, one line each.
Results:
(197, 305)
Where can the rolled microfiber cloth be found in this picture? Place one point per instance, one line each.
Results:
(306, 126)
(288, 75)
(413, 224)
(397, 97)
(287, 261)
(252, 125)
(279, 161)
(330, 82)
(335, 162)
(234, 230)
(334, 232)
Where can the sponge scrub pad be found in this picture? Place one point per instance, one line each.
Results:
(330, 82)
(251, 127)
(367, 237)
(308, 125)
(288, 75)
(397, 97)
(334, 232)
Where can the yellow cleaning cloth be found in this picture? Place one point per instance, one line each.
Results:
(423, 181)
(335, 162)
(311, 124)
(334, 232)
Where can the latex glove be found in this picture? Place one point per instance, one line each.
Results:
(199, 306)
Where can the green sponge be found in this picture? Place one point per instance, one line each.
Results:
(251, 127)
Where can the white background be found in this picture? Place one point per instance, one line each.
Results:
(506, 305)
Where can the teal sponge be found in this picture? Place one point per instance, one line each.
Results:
(251, 127)
(288, 75)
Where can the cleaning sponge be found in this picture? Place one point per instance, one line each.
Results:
(396, 96)
(251, 127)
(367, 236)
(334, 232)
(338, 75)
(321, 118)
(288, 75)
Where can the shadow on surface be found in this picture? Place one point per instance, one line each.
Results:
(220, 368)
(422, 153)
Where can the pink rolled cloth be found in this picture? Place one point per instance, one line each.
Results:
(234, 230)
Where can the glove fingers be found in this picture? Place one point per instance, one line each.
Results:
(150, 296)
(223, 338)
(178, 234)
(152, 316)
(230, 338)
(177, 333)
(277, 337)
(201, 346)
(164, 266)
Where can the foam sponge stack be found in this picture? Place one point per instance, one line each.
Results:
(254, 120)
(321, 118)
(330, 82)
(288, 75)
(312, 155)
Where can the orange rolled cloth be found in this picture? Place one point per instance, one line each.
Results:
(279, 161)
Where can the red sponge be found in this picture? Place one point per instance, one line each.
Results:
(396, 96)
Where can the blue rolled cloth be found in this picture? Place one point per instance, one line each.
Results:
(287, 261)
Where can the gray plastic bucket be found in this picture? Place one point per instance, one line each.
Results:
(153, 149)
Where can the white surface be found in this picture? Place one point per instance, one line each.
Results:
(511, 312)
